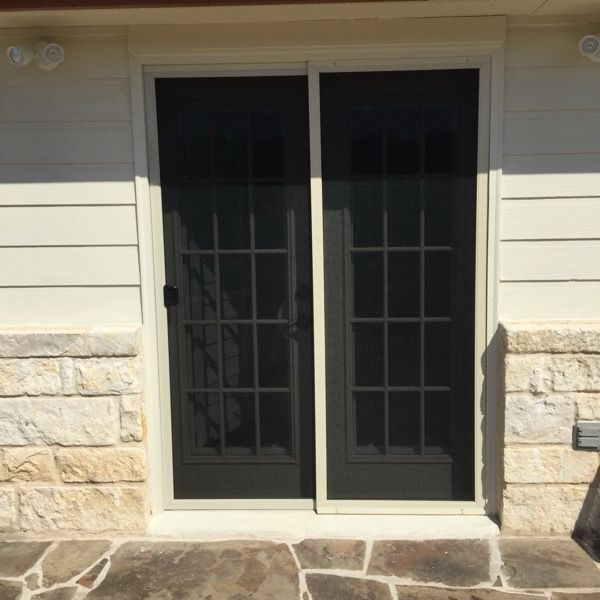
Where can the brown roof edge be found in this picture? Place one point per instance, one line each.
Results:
(18, 5)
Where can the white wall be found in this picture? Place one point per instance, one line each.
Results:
(550, 213)
(68, 239)
(68, 235)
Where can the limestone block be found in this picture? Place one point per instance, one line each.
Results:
(108, 376)
(587, 406)
(30, 377)
(577, 373)
(8, 509)
(26, 464)
(102, 465)
(74, 341)
(540, 373)
(132, 418)
(552, 337)
(536, 509)
(82, 508)
(539, 419)
(549, 464)
(62, 421)
(528, 373)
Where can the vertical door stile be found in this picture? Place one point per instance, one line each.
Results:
(318, 266)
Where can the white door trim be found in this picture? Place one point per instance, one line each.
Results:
(144, 69)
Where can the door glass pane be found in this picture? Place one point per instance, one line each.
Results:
(403, 129)
(405, 419)
(273, 350)
(369, 418)
(404, 273)
(230, 144)
(368, 284)
(201, 354)
(438, 423)
(194, 132)
(267, 143)
(234, 216)
(196, 213)
(404, 212)
(438, 284)
(271, 286)
(236, 297)
(368, 354)
(238, 364)
(440, 139)
(441, 198)
(270, 224)
(367, 141)
(205, 424)
(240, 424)
(199, 287)
(367, 213)
(438, 354)
(404, 340)
(275, 424)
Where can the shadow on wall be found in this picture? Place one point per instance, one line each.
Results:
(587, 528)
(492, 426)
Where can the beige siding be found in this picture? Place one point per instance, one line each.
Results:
(68, 233)
(550, 213)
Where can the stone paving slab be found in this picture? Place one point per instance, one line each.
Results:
(312, 569)
(65, 593)
(450, 562)
(9, 590)
(547, 563)
(188, 571)
(331, 554)
(575, 595)
(330, 587)
(70, 558)
(433, 593)
(16, 558)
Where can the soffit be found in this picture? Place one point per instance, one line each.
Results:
(237, 11)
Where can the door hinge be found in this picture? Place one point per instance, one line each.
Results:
(171, 295)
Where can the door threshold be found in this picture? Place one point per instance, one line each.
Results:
(299, 524)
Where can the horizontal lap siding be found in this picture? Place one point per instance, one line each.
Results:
(550, 214)
(68, 233)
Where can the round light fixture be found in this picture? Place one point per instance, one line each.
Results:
(48, 55)
(20, 56)
(589, 46)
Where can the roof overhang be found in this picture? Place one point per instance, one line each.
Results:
(43, 13)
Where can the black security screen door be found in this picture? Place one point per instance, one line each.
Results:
(399, 168)
(234, 177)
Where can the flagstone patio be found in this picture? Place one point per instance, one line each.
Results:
(317, 569)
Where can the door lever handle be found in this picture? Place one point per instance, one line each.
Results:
(171, 295)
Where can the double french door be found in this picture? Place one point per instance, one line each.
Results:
(398, 171)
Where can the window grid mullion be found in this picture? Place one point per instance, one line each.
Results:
(386, 368)
(422, 285)
(253, 286)
(220, 350)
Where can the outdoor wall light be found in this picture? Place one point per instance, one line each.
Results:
(589, 46)
(47, 56)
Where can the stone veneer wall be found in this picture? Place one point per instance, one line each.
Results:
(552, 379)
(72, 455)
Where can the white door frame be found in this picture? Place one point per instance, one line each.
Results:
(145, 68)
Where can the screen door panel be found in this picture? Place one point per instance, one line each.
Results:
(399, 163)
(234, 177)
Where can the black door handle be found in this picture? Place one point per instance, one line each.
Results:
(171, 295)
